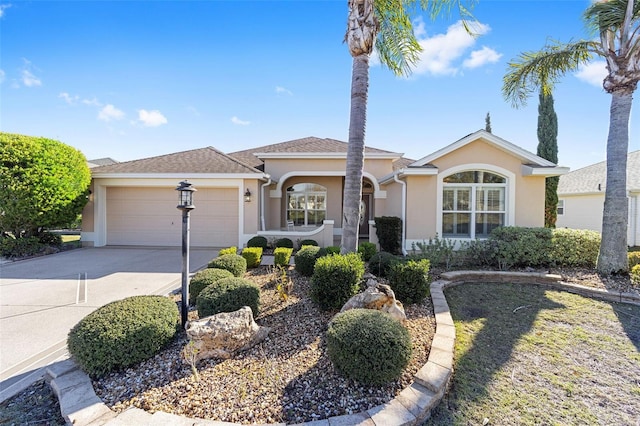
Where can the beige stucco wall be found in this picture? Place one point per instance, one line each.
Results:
(251, 222)
(421, 207)
(277, 168)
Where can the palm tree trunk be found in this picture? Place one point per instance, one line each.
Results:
(355, 154)
(612, 258)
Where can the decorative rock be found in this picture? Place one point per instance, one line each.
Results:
(224, 334)
(377, 296)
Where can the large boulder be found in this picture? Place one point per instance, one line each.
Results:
(377, 296)
(223, 335)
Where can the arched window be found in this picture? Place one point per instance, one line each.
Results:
(306, 204)
(473, 203)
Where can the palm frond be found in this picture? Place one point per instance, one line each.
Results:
(539, 71)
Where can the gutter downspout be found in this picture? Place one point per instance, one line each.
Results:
(262, 202)
(404, 210)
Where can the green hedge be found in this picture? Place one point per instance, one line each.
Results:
(368, 346)
(284, 242)
(635, 275)
(228, 295)
(367, 250)
(282, 256)
(20, 247)
(233, 263)
(253, 256)
(123, 333)
(410, 280)
(335, 279)
(228, 250)
(574, 247)
(308, 243)
(203, 279)
(258, 241)
(634, 258)
(306, 259)
(389, 232)
(380, 263)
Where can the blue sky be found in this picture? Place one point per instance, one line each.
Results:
(130, 80)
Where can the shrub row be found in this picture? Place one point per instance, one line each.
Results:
(233, 263)
(203, 279)
(335, 279)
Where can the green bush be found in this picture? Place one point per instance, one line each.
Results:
(203, 279)
(233, 263)
(284, 242)
(635, 275)
(50, 239)
(329, 250)
(229, 250)
(368, 346)
(228, 295)
(574, 247)
(440, 252)
(258, 241)
(389, 232)
(308, 242)
(306, 259)
(20, 247)
(381, 262)
(634, 258)
(518, 246)
(335, 279)
(123, 333)
(367, 250)
(410, 280)
(253, 256)
(282, 256)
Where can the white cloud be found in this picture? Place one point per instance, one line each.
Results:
(236, 120)
(1, 76)
(2, 9)
(593, 73)
(441, 52)
(478, 58)
(68, 98)
(30, 80)
(92, 102)
(152, 118)
(109, 112)
(280, 89)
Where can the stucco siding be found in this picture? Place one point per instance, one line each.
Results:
(582, 212)
(421, 207)
(530, 195)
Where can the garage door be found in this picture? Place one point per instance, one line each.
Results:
(148, 216)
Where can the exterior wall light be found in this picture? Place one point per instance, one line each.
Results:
(247, 196)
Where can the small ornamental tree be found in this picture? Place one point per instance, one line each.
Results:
(548, 149)
(43, 184)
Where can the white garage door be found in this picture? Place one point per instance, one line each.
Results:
(149, 217)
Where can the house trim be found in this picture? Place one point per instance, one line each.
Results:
(277, 193)
(326, 155)
(528, 170)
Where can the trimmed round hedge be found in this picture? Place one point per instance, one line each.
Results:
(203, 279)
(228, 295)
(306, 259)
(258, 241)
(368, 346)
(233, 263)
(336, 279)
(123, 333)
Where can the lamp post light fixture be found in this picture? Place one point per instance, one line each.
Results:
(247, 196)
(186, 205)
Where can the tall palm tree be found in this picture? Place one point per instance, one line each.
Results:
(386, 26)
(617, 22)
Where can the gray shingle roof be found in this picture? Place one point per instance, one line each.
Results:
(587, 179)
(101, 162)
(304, 145)
(203, 160)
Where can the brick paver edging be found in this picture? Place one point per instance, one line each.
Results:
(80, 406)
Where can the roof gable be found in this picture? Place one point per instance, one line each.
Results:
(593, 178)
(525, 156)
(203, 160)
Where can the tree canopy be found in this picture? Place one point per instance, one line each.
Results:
(43, 184)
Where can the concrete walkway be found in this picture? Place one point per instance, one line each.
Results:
(42, 298)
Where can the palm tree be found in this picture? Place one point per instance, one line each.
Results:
(386, 26)
(618, 24)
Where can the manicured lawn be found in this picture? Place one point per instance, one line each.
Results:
(529, 355)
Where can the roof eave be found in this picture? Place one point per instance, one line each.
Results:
(181, 175)
(528, 170)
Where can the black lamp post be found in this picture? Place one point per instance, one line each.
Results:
(186, 205)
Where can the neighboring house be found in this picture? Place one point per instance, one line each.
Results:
(100, 162)
(581, 198)
(295, 189)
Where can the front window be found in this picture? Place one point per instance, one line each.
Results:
(306, 204)
(560, 208)
(473, 204)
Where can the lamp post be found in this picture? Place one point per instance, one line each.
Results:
(186, 205)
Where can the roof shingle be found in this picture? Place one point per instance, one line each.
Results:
(587, 179)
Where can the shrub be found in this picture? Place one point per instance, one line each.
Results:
(635, 275)
(574, 247)
(20, 247)
(229, 250)
(284, 242)
(308, 243)
(331, 250)
(440, 252)
(367, 250)
(233, 263)
(50, 239)
(335, 279)
(257, 241)
(634, 259)
(368, 346)
(253, 256)
(381, 262)
(203, 279)
(123, 333)
(519, 246)
(306, 259)
(410, 280)
(228, 295)
(282, 256)
(389, 232)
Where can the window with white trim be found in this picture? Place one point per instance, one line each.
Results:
(306, 204)
(560, 208)
(473, 204)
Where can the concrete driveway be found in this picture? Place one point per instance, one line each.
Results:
(41, 299)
